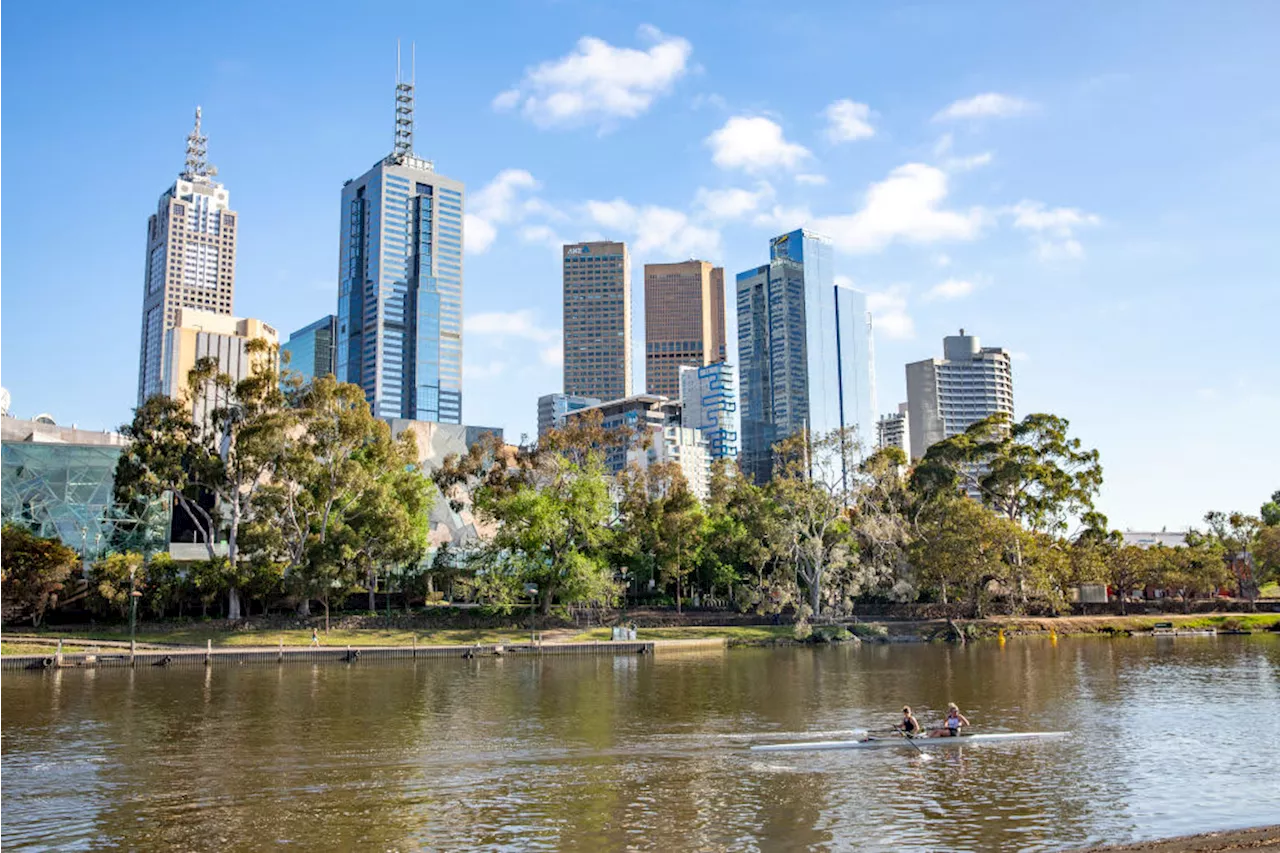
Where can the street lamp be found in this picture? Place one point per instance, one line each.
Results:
(531, 590)
(134, 595)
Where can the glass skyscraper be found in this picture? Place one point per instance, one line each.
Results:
(805, 349)
(400, 283)
(310, 349)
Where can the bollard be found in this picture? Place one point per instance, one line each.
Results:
(57, 658)
(415, 646)
(280, 654)
(133, 650)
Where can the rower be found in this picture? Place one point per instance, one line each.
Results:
(951, 725)
(909, 726)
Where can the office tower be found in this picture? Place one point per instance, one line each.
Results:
(400, 282)
(892, 430)
(805, 352)
(684, 446)
(946, 395)
(191, 257)
(683, 321)
(203, 334)
(552, 409)
(708, 401)
(597, 320)
(311, 349)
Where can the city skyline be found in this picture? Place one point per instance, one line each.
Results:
(998, 203)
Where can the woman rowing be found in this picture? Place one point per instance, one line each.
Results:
(909, 726)
(951, 725)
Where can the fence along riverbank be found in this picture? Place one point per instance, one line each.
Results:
(210, 656)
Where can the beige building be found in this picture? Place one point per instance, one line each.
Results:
(203, 334)
(191, 258)
(683, 321)
(597, 320)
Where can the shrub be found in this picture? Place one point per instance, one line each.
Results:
(869, 630)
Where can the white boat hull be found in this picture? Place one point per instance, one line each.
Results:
(905, 743)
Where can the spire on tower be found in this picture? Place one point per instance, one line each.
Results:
(403, 144)
(197, 167)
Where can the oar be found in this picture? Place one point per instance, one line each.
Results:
(923, 756)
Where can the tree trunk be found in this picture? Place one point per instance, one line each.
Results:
(678, 590)
(233, 603)
(326, 614)
(815, 595)
(371, 581)
(304, 607)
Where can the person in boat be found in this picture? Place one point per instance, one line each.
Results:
(952, 724)
(909, 726)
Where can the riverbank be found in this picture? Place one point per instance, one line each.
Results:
(1264, 839)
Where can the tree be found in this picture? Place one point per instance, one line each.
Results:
(1270, 512)
(742, 534)
(812, 490)
(1237, 533)
(884, 520)
(963, 546)
(212, 451)
(35, 569)
(1194, 570)
(1128, 567)
(115, 578)
(661, 522)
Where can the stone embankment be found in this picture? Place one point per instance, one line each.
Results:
(1263, 839)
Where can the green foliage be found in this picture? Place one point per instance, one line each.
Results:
(35, 570)
(113, 578)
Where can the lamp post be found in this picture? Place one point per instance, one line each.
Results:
(133, 609)
(531, 590)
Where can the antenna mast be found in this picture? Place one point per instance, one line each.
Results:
(197, 167)
(403, 147)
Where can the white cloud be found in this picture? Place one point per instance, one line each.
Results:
(508, 324)
(987, 105)
(905, 206)
(553, 355)
(964, 164)
(733, 203)
(952, 288)
(598, 82)
(542, 234)
(889, 315)
(943, 260)
(848, 121)
(654, 228)
(483, 371)
(810, 179)
(1052, 229)
(781, 218)
(496, 203)
(754, 143)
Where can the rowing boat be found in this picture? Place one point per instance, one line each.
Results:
(880, 742)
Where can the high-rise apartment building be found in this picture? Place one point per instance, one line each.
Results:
(805, 347)
(597, 320)
(191, 257)
(225, 339)
(552, 409)
(708, 402)
(400, 282)
(892, 430)
(683, 321)
(310, 349)
(946, 395)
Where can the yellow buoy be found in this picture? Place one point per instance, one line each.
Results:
(1001, 635)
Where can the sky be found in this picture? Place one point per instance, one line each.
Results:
(1092, 186)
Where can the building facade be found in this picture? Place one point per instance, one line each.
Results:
(552, 409)
(311, 350)
(400, 274)
(709, 402)
(682, 446)
(191, 258)
(597, 320)
(683, 321)
(637, 416)
(893, 430)
(805, 350)
(945, 396)
(201, 334)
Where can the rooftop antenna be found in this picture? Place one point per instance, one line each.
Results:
(197, 168)
(403, 146)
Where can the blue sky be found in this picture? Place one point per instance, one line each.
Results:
(1091, 186)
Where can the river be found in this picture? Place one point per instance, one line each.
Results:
(1170, 736)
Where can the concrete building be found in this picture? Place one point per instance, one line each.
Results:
(685, 447)
(400, 282)
(683, 321)
(893, 430)
(191, 258)
(201, 334)
(552, 409)
(311, 350)
(709, 402)
(597, 320)
(945, 396)
(1152, 538)
(638, 415)
(806, 352)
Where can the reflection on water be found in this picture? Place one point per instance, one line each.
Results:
(634, 752)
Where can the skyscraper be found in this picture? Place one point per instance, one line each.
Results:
(708, 400)
(191, 258)
(225, 339)
(597, 320)
(683, 321)
(805, 349)
(552, 409)
(310, 348)
(893, 430)
(946, 395)
(400, 282)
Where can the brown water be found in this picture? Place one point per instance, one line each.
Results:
(600, 753)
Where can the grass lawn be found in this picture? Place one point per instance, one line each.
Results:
(733, 633)
(1271, 590)
(37, 648)
(196, 635)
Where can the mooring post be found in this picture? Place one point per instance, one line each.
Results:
(208, 652)
(280, 654)
(415, 646)
(57, 657)
(133, 650)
